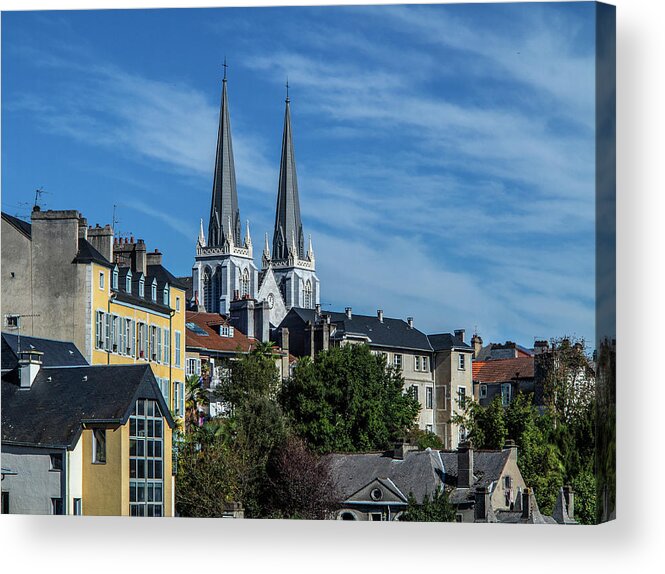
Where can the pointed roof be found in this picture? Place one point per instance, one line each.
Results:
(288, 226)
(224, 213)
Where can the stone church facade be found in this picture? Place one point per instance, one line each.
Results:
(224, 270)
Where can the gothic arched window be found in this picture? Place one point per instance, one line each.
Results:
(308, 295)
(244, 284)
(207, 292)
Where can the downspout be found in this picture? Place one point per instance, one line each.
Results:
(65, 476)
(171, 314)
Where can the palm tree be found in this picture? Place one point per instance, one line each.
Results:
(196, 398)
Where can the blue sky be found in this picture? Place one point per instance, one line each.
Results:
(445, 153)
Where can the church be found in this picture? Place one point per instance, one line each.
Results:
(224, 271)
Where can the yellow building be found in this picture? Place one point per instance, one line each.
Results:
(117, 303)
(81, 439)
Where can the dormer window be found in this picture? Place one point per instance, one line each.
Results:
(141, 287)
(128, 282)
(153, 291)
(166, 295)
(114, 284)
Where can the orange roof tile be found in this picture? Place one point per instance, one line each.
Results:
(499, 370)
(212, 341)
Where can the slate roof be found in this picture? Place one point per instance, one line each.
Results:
(502, 370)
(393, 333)
(419, 473)
(56, 353)
(446, 342)
(188, 286)
(485, 353)
(88, 254)
(23, 226)
(163, 275)
(212, 341)
(487, 468)
(51, 412)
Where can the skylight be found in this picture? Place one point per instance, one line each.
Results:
(196, 329)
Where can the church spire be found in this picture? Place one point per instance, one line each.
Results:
(288, 225)
(224, 206)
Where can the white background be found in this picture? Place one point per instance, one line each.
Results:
(634, 542)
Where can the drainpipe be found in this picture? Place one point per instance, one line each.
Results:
(65, 478)
(171, 339)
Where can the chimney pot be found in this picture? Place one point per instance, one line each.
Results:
(29, 364)
(379, 314)
(409, 321)
(348, 312)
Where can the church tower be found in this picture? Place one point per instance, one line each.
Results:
(224, 268)
(293, 268)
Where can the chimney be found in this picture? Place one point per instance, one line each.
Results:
(464, 465)
(347, 310)
(540, 347)
(477, 344)
(83, 228)
(401, 448)
(101, 239)
(29, 364)
(526, 503)
(154, 258)
(512, 446)
(379, 314)
(481, 504)
(141, 259)
(285, 340)
(409, 321)
(460, 333)
(317, 310)
(569, 497)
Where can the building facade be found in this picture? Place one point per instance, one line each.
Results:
(66, 281)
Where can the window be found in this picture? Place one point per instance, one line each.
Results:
(506, 394)
(99, 338)
(461, 365)
(428, 428)
(483, 391)
(164, 386)
(421, 363)
(12, 321)
(429, 391)
(193, 367)
(166, 295)
(99, 446)
(56, 461)
(107, 331)
(114, 284)
(142, 340)
(226, 331)
(458, 517)
(101, 280)
(414, 392)
(507, 482)
(56, 506)
(177, 348)
(461, 397)
(416, 363)
(77, 507)
(153, 291)
(376, 516)
(177, 304)
(179, 399)
(114, 333)
(128, 282)
(397, 361)
(308, 295)
(244, 284)
(141, 287)
(376, 494)
(159, 344)
(167, 347)
(129, 333)
(146, 459)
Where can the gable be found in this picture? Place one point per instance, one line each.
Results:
(268, 287)
(378, 491)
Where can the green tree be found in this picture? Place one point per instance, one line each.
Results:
(424, 439)
(348, 400)
(196, 397)
(584, 487)
(434, 509)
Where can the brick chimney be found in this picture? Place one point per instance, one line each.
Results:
(481, 504)
(460, 334)
(401, 448)
(465, 465)
(540, 347)
(29, 364)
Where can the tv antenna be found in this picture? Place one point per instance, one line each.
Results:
(17, 326)
(38, 195)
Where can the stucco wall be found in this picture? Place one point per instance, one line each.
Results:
(34, 485)
(15, 276)
(106, 486)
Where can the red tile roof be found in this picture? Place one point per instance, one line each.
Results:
(499, 370)
(214, 342)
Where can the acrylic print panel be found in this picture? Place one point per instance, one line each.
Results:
(349, 263)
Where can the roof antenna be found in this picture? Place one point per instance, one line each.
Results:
(287, 90)
(114, 221)
(225, 66)
(38, 194)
